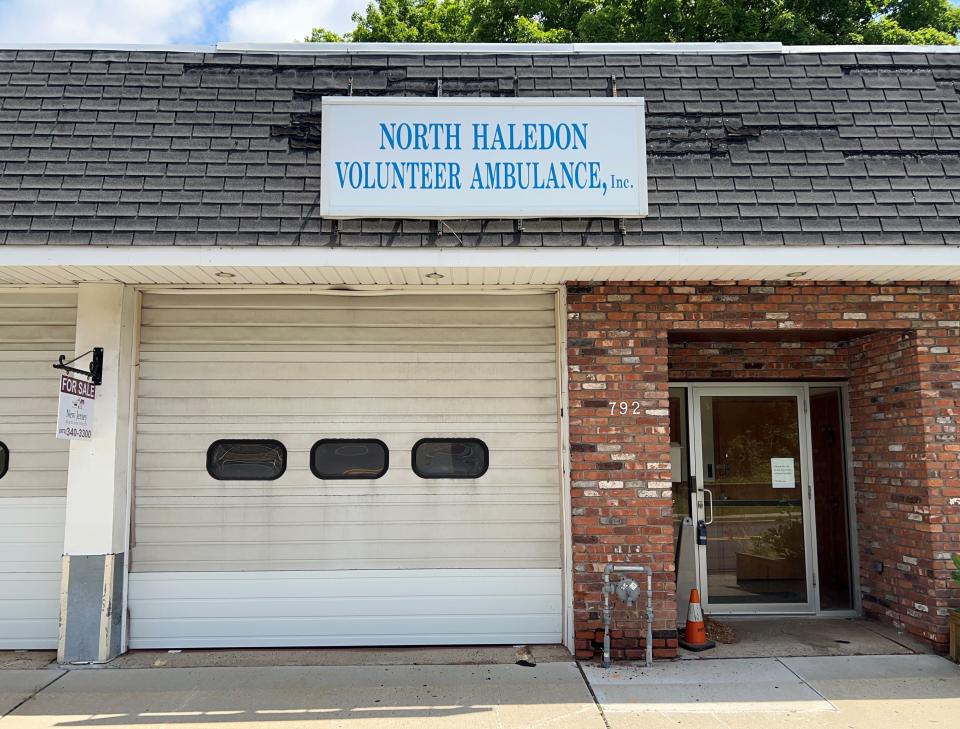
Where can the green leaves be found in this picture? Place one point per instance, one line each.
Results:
(406, 21)
(322, 35)
(794, 22)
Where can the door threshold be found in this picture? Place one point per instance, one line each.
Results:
(822, 615)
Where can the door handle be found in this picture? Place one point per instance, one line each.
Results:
(709, 521)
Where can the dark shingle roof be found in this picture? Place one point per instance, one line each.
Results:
(160, 147)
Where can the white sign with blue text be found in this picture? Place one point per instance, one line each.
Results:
(483, 158)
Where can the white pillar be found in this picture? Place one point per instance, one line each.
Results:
(95, 538)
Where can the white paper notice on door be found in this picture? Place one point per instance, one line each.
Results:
(781, 473)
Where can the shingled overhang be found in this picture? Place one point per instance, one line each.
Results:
(748, 145)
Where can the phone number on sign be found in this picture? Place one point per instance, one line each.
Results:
(76, 432)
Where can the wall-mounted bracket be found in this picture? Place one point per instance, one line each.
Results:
(95, 373)
(350, 86)
(612, 88)
(439, 87)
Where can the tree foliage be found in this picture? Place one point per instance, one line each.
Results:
(794, 22)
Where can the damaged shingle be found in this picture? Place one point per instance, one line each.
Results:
(223, 148)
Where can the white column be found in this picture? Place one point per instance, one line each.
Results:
(98, 482)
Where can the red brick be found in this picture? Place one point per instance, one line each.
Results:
(902, 368)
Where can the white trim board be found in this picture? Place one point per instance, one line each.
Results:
(539, 49)
(419, 49)
(272, 265)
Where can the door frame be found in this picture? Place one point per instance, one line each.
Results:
(698, 508)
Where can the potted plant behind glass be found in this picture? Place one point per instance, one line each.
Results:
(955, 616)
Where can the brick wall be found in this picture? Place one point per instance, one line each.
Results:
(698, 361)
(892, 497)
(621, 492)
(897, 345)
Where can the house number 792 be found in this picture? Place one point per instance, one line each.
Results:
(623, 407)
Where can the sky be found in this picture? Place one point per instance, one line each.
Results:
(170, 21)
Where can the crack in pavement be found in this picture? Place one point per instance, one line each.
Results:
(34, 694)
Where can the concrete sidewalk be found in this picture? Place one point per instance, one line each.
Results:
(833, 692)
(360, 697)
(19, 685)
(774, 637)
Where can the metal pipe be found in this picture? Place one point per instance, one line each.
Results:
(607, 618)
(649, 642)
(607, 610)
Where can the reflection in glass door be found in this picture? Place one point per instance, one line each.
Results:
(752, 486)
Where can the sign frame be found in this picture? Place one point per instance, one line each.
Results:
(389, 208)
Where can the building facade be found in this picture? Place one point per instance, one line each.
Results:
(322, 430)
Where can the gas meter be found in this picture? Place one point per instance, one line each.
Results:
(628, 590)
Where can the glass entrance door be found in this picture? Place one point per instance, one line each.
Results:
(752, 497)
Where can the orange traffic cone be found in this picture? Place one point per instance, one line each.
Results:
(695, 634)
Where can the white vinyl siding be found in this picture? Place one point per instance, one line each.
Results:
(34, 330)
(302, 367)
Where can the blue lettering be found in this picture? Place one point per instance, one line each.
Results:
(378, 175)
(525, 175)
(595, 175)
(580, 132)
(419, 136)
(453, 136)
(547, 136)
(509, 178)
(356, 175)
(398, 175)
(529, 136)
(498, 137)
(387, 136)
(480, 136)
(341, 172)
(551, 183)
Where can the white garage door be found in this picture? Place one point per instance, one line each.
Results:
(307, 561)
(34, 330)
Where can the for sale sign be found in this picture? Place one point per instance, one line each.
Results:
(75, 413)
